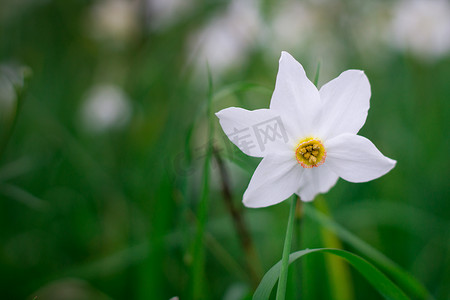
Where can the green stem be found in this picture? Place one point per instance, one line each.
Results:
(198, 272)
(281, 290)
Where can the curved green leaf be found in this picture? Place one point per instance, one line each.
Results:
(403, 278)
(378, 280)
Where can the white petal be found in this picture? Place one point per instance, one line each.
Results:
(295, 96)
(315, 181)
(256, 132)
(356, 159)
(276, 178)
(345, 104)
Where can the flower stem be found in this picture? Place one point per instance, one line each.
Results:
(281, 290)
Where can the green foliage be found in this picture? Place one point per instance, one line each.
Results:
(386, 287)
(408, 282)
(115, 213)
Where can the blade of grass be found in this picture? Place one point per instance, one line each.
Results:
(198, 275)
(396, 214)
(316, 78)
(24, 197)
(404, 279)
(378, 280)
(17, 168)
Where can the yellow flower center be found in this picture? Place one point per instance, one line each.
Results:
(310, 153)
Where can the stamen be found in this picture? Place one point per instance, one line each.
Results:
(310, 153)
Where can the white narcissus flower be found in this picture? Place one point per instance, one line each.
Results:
(307, 138)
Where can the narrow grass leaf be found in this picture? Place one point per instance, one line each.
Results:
(24, 197)
(316, 78)
(404, 279)
(198, 251)
(378, 280)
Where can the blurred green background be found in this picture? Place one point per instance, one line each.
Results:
(103, 136)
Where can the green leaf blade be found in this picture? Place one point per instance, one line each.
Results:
(378, 280)
(403, 278)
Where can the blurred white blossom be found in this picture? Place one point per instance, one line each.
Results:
(367, 25)
(106, 107)
(164, 13)
(306, 28)
(7, 95)
(422, 27)
(227, 39)
(12, 80)
(293, 24)
(114, 21)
